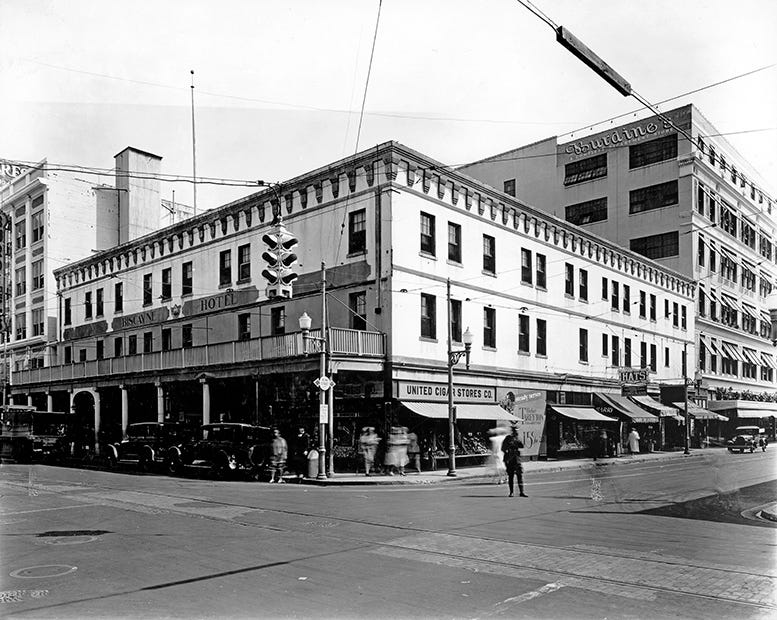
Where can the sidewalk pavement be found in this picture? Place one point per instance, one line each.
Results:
(484, 472)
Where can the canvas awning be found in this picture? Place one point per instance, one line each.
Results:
(729, 253)
(768, 360)
(700, 413)
(750, 310)
(656, 408)
(732, 351)
(730, 301)
(588, 414)
(625, 407)
(713, 347)
(750, 356)
(765, 316)
(464, 411)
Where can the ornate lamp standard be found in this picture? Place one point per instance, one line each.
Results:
(453, 358)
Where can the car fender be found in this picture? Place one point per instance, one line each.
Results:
(174, 453)
(112, 451)
(148, 452)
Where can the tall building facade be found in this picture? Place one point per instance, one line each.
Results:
(696, 207)
(176, 324)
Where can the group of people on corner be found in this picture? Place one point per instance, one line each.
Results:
(603, 446)
(402, 449)
(279, 455)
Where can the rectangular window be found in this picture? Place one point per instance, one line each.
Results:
(653, 197)
(656, 246)
(37, 275)
(99, 303)
(642, 305)
(523, 333)
(489, 254)
(68, 312)
(187, 278)
(357, 232)
(489, 327)
(118, 297)
(88, 305)
(653, 151)
(652, 307)
(454, 242)
(585, 169)
(37, 226)
(37, 322)
(225, 267)
(167, 283)
(700, 252)
(167, 339)
(605, 345)
(21, 234)
(569, 280)
(666, 357)
(615, 298)
(187, 339)
(627, 352)
(653, 357)
(428, 243)
(729, 221)
(244, 323)
(526, 270)
(675, 314)
(428, 316)
(68, 353)
(667, 313)
(148, 291)
(508, 187)
(582, 288)
(616, 351)
(542, 337)
(118, 347)
(626, 299)
(21, 281)
(100, 351)
(583, 345)
(132, 345)
(456, 320)
(357, 304)
(244, 262)
(605, 289)
(148, 342)
(587, 212)
(277, 320)
(542, 279)
(643, 359)
(81, 355)
(683, 317)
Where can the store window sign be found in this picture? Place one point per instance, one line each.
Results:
(438, 392)
(529, 405)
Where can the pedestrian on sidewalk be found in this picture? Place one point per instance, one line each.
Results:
(600, 445)
(299, 453)
(511, 448)
(634, 441)
(496, 436)
(368, 446)
(414, 452)
(278, 457)
(396, 455)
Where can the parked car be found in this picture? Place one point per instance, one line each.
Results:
(151, 443)
(229, 447)
(28, 435)
(747, 438)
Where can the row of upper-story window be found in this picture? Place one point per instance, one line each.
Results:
(20, 322)
(726, 310)
(737, 178)
(732, 359)
(717, 258)
(37, 221)
(37, 278)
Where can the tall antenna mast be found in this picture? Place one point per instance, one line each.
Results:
(194, 150)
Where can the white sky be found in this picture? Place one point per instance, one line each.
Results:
(279, 84)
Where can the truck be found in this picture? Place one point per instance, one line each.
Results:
(28, 435)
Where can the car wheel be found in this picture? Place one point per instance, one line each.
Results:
(174, 465)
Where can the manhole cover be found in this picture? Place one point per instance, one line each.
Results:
(61, 533)
(68, 540)
(44, 570)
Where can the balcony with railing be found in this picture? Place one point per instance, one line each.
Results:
(343, 343)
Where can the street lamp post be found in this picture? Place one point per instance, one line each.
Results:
(453, 358)
(304, 324)
(687, 449)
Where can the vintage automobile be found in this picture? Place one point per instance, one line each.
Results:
(29, 435)
(151, 443)
(229, 447)
(747, 438)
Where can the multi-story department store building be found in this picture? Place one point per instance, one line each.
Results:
(183, 329)
(699, 209)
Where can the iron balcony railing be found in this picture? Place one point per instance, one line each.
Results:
(348, 342)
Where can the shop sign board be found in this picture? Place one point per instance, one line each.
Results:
(530, 406)
(438, 392)
(222, 301)
(634, 375)
(140, 319)
(88, 330)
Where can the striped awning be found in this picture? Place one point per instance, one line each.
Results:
(700, 413)
(467, 411)
(656, 408)
(625, 407)
(713, 347)
(732, 351)
(588, 414)
(730, 301)
(729, 253)
(750, 356)
(750, 310)
(768, 360)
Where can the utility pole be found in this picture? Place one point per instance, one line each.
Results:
(194, 150)
(687, 449)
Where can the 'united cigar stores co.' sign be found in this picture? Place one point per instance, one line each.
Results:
(422, 391)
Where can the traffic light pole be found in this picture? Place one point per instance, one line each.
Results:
(322, 431)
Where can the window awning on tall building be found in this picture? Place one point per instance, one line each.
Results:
(730, 254)
(656, 408)
(582, 413)
(750, 356)
(466, 411)
(713, 347)
(765, 316)
(700, 413)
(768, 360)
(731, 302)
(750, 310)
(624, 406)
(732, 351)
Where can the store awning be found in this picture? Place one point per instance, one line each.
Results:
(729, 253)
(700, 413)
(750, 356)
(768, 360)
(588, 414)
(464, 411)
(624, 406)
(713, 347)
(656, 408)
(730, 301)
(765, 316)
(750, 310)
(732, 351)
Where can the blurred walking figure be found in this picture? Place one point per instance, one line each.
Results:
(280, 452)
(511, 448)
(634, 441)
(496, 436)
(396, 454)
(299, 453)
(368, 445)
(600, 445)
(414, 452)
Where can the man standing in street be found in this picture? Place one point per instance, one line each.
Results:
(299, 453)
(511, 448)
(280, 452)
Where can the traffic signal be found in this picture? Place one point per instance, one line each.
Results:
(279, 259)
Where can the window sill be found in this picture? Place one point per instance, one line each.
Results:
(244, 281)
(454, 263)
(542, 356)
(166, 299)
(225, 285)
(427, 339)
(524, 353)
(527, 283)
(491, 274)
(427, 255)
(355, 253)
(583, 362)
(148, 304)
(568, 296)
(485, 348)
(541, 289)
(186, 295)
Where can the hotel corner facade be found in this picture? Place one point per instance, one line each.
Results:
(699, 209)
(175, 324)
